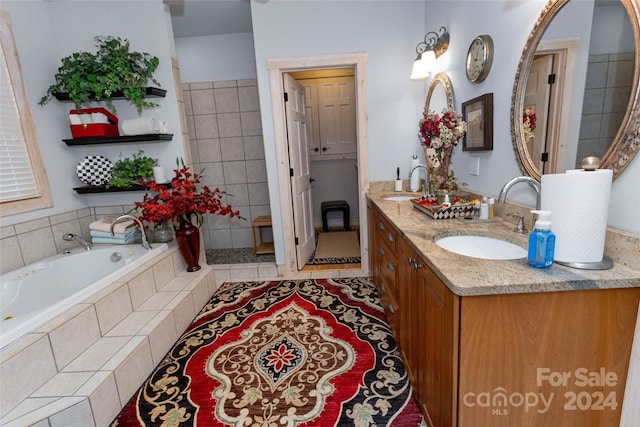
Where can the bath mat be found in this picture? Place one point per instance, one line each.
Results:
(340, 247)
(281, 353)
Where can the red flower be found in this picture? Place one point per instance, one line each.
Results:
(182, 200)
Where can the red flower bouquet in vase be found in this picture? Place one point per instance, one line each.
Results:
(184, 202)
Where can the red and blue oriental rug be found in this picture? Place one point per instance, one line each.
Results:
(283, 353)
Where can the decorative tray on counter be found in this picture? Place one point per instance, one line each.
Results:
(435, 211)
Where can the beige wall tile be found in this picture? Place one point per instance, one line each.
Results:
(227, 100)
(247, 82)
(202, 102)
(251, 123)
(63, 384)
(74, 336)
(234, 172)
(113, 308)
(183, 310)
(232, 148)
(37, 245)
(103, 397)
(225, 83)
(162, 334)
(253, 147)
(28, 226)
(209, 150)
(163, 271)
(63, 217)
(142, 287)
(131, 325)
(134, 368)
(206, 126)
(248, 97)
(229, 125)
(11, 258)
(7, 231)
(96, 356)
(256, 171)
(76, 415)
(201, 85)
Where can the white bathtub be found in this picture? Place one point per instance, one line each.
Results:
(34, 294)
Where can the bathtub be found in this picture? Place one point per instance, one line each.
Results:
(36, 293)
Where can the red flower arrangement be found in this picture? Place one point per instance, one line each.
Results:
(441, 130)
(182, 201)
(529, 122)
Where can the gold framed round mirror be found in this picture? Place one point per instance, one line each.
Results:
(624, 145)
(440, 94)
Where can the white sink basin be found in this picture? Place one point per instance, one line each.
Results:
(399, 198)
(482, 247)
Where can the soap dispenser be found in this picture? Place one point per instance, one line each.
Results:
(542, 241)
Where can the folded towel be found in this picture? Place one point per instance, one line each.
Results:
(98, 233)
(104, 224)
(143, 126)
(117, 241)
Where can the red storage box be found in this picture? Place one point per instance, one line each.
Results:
(88, 130)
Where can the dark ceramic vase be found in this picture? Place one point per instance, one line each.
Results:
(188, 240)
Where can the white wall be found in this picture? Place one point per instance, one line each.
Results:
(216, 58)
(45, 32)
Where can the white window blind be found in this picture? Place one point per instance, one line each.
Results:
(17, 180)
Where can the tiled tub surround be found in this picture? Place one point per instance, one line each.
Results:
(225, 135)
(471, 276)
(83, 366)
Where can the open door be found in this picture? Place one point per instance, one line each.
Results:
(299, 172)
(536, 97)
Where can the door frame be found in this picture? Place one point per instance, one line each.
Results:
(277, 68)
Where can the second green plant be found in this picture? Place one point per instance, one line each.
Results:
(132, 170)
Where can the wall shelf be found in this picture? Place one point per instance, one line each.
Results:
(92, 189)
(156, 137)
(150, 92)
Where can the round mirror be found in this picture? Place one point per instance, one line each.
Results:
(550, 126)
(440, 94)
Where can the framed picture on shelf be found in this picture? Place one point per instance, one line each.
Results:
(478, 113)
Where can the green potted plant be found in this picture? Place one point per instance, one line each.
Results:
(132, 170)
(112, 71)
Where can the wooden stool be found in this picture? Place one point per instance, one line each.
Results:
(262, 247)
(335, 205)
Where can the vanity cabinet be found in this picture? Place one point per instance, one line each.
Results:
(501, 360)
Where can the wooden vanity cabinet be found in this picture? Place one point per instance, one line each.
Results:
(466, 354)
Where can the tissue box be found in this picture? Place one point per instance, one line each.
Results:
(87, 130)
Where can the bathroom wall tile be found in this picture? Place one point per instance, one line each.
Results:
(253, 147)
(7, 231)
(36, 224)
(240, 223)
(234, 172)
(191, 127)
(246, 82)
(135, 366)
(163, 271)
(69, 227)
(214, 222)
(593, 101)
(616, 99)
(212, 283)
(232, 149)
(243, 272)
(195, 153)
(113, 308)
(249, 100)
(200, 85)
(209, 150)
(142, 287)
(161, 331)
(11, 258)
(203, 102)
(74, 337)
(103, 397)
(200, 293)
(63, 384)
(206, 126)
(84, 212)
(179, 265)
(256, 171)
(225, 83)
(241, 238)
(220, 239)
(610, 124)
(596, 75)
(227, 100)
(590, 125)
(251, 123)
(63, 217)
(186, 96)
(26, 371)
(213, 174)
(131, 325)
(95, 357)
(76, 415)
(159, 301)
(620, 73)
(259, 210)
(259, 193)
(237, 195)
(183, 310)
(108, 211)
(37, 245)
(229, 125)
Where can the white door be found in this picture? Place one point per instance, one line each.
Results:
(300, 175)
(337, 111)
(537, 97)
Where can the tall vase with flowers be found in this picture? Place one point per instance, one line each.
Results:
(528, 123)
(184, 202)
(439, 134)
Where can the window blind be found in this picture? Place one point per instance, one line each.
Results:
(17, 180)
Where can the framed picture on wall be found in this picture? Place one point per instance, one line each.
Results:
(478, 113)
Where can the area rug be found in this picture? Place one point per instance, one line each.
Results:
(339, 247)
(281, 353)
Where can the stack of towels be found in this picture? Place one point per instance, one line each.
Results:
(125, 232)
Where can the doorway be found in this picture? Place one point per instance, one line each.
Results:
(277, 69)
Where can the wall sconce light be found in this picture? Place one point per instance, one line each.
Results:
(434, 45)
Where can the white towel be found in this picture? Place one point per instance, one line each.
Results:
(143, 126)
(104, 224)
(98, 233)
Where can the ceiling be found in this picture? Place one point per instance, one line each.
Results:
(193, 18)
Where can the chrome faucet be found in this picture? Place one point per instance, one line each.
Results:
(416, 167)
(502, 197)
(145, 242)
(71, 237)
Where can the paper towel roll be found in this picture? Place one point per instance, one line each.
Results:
(579, 205)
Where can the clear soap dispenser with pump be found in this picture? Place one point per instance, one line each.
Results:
(542, 241)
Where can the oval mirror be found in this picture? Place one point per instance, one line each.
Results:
(623, 138)
(440, 94)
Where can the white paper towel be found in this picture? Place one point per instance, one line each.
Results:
(579, 204)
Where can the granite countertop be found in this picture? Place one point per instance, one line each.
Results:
(473, 276)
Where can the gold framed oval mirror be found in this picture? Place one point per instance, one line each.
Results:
(440, 94)
(624, 145)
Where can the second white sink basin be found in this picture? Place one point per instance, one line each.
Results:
(481, 247)
(398, 198)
